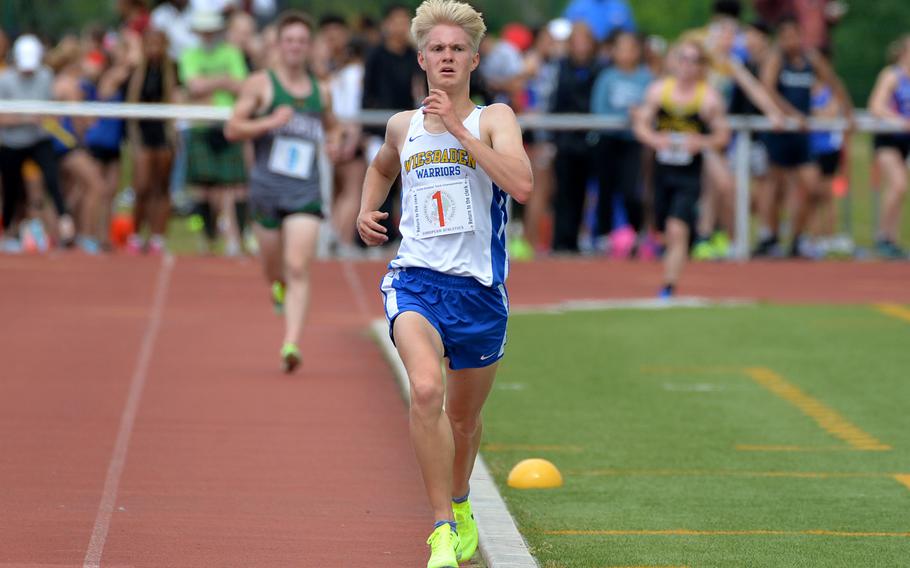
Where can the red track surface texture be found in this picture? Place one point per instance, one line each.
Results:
(225, 461)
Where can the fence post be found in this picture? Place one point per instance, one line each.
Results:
(743, 177)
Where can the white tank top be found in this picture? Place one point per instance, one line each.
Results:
(453, 217)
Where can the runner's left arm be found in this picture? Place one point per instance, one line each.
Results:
(331, 125)
(715, 116)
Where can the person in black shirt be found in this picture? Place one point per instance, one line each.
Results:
(392, 80)
(574, 150)
(789, 73)
(152, 143)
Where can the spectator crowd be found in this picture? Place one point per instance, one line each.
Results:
(596, 192)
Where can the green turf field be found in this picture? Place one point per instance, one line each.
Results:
(772, 435)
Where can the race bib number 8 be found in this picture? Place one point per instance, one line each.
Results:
(292, 157)
(442, 209)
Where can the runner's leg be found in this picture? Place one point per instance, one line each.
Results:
(466, 392)
(300, 233)
(421, 351)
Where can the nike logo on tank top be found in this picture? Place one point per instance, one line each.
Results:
(453, 217)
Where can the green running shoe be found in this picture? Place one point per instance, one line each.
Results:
(278, 296)
(443, 542)
(467, 531)
(720, 242)
(520, 249)
(290, 357)
(703, 250)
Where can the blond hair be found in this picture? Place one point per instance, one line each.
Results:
(435, 12)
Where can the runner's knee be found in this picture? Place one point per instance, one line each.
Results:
(464, 425)
(426, 393)
(296, 269)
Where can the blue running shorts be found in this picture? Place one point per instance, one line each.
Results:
(470, 317)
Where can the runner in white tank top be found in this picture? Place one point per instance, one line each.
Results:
(453, 216)
(444, 295)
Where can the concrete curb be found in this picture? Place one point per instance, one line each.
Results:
(501, 545)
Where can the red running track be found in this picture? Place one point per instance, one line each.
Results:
(223, 460)
(229, 462)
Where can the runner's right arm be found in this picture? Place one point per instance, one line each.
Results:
(644, 116)
(242, 125)
(380, 176)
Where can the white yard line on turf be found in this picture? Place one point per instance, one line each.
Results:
(630, 304)
(128, 419)
(501, 545)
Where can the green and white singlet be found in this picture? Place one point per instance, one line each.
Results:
(285, 176)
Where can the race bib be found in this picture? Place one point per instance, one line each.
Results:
(442, 209)
(676, 154)
(292, 157)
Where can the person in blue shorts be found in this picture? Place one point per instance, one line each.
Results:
(444, 294)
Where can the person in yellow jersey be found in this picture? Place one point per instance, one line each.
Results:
(445, 295)
(288, 115)
(682, 117)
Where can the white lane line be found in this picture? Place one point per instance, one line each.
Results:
(501, 545)
(128, 419)
(360, 297)
(630, 304)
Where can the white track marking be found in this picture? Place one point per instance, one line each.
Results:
(128, 419)
(360, 297)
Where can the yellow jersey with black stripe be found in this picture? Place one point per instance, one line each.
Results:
(680, 120)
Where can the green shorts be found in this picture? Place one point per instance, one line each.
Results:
(271, 218)
(212, 160)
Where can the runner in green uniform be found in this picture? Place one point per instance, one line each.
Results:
(288, 116)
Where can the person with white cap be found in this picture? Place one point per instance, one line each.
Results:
(22, 137)
(213, 73)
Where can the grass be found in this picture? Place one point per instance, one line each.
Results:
(643, 413)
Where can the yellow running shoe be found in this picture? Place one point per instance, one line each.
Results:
(720, 242)
(467, 531)
(278, 296)
(443, 542)
(703, 250)
(290, 357)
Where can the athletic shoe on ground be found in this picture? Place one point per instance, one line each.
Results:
(443, 542)
(9, 245)
(290, 357)
(766, 247)
(842, 246)
(888, 250)
(67, 228)
(88, 245)
(703, 250)
(157, 245)
(622, 242)
(665, 293)
(38, 235)
(520, 249)
(278, 296)
(467, 531)
(134, 244)
(720, 242)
